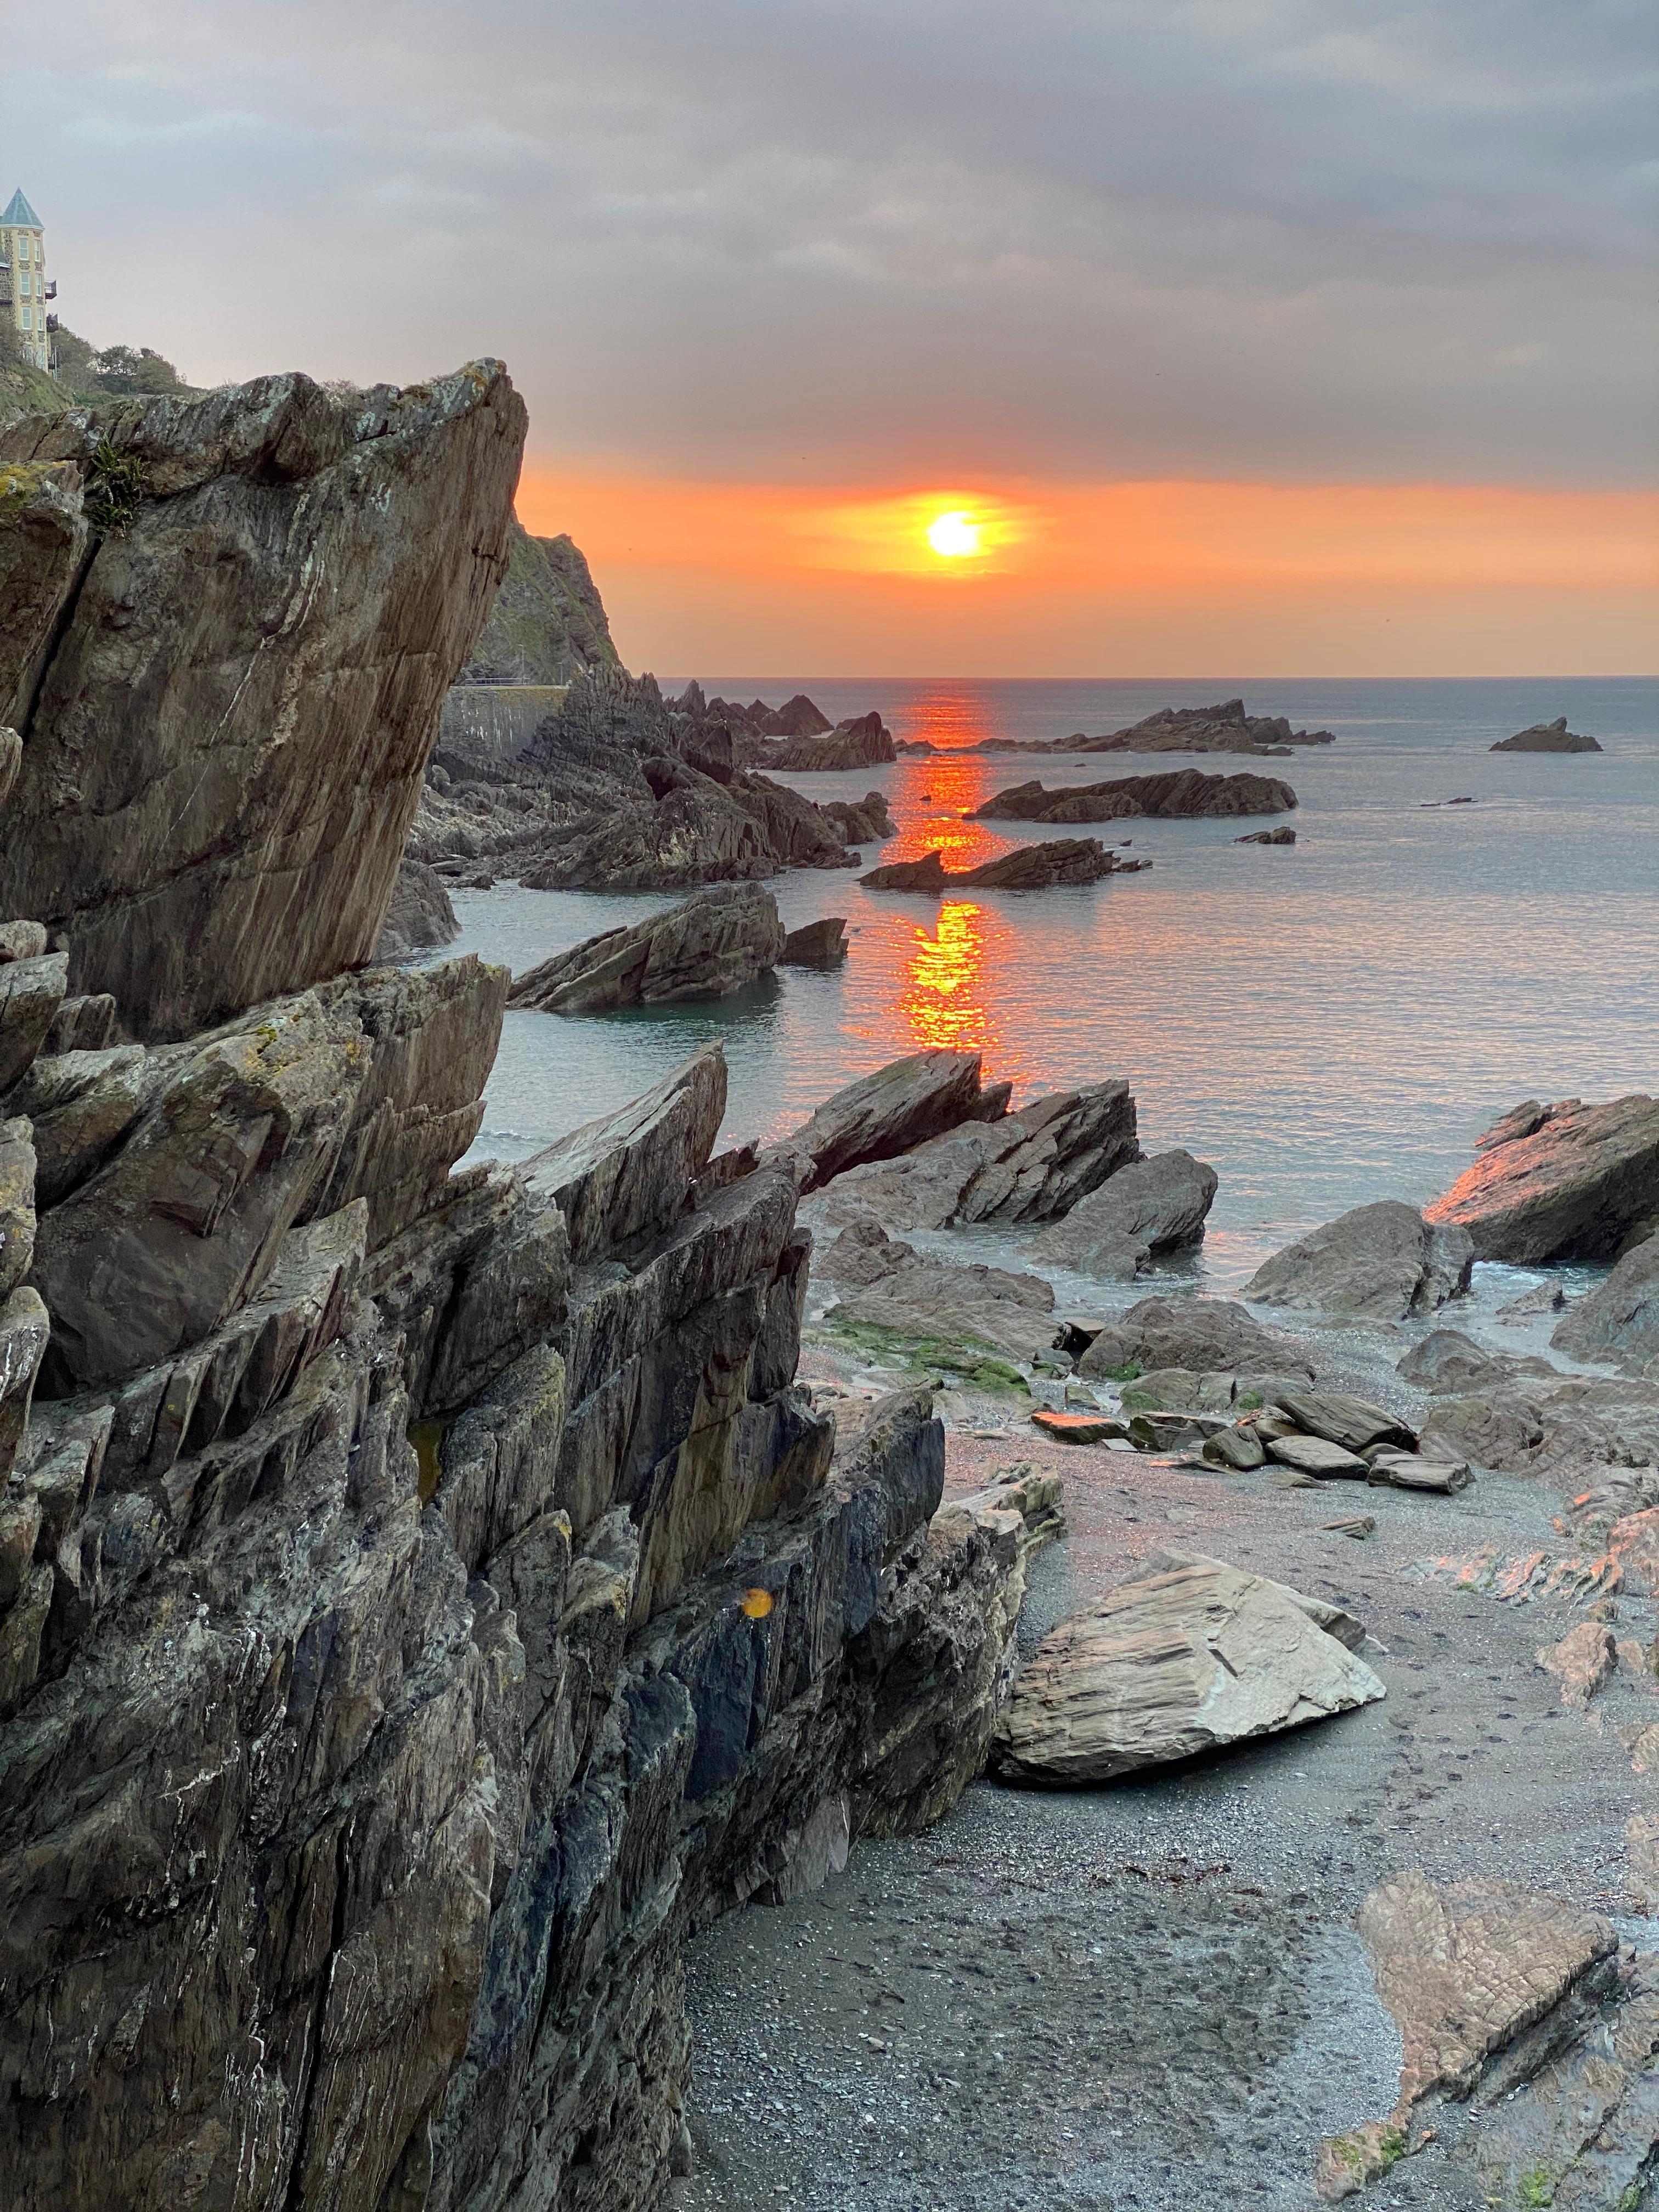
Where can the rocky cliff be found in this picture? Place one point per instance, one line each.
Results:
(425, 1596)
(548, 622)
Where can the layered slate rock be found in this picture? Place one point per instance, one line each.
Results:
(877, 1116)
(816, 943)
(1547, 737)
(1201, 1333)
(888, 1285)
(1027, 868)
(717, 941)
(1531, 1423)
(1566, 1182)
(419, 916)
(1618, 1322)
(1380, 1262)
(1167, 1667)
(615, 1175)
(311, 568)
(862, 741)
(1174, 793)
(1146, 1209)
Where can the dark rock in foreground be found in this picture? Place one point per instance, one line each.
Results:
(716, 942)
(312, 567)
(816, 943)
(1149, 1207)
(1027, 868)
(1177, 793)
(1547, 737)
(1559, 1183)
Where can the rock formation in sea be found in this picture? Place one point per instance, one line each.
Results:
(1547, 737)
(1565, 1182)
(719, 940)
(1027, 868)
(864, 741)
(1223, 728)
(547, 623)
(1176, 793)
(426, 1596)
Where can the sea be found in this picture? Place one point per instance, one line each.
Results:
(1326, 1023)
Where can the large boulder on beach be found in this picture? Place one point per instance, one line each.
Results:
(1213, 1335)
(1618, 1322)
(1547, 737)
(717, 941)
(1176, 793)
(1567, 1181)
(877, 1116)
(1176, 1664)
(1377, 1262)
(310, 568)
(1152, 1206)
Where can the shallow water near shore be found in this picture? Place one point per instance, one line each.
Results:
(1326, 1023)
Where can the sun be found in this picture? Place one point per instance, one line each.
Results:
(953, 535)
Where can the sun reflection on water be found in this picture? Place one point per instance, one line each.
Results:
(943, 996)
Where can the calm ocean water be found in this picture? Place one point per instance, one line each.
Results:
(1326, 1024)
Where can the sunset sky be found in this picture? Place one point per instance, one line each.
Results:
(1244, 336)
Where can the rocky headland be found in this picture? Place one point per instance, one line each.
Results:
(1178, 794)
(426, 1596)
(1223, 728)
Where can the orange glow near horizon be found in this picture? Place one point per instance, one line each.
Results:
(1127, 577)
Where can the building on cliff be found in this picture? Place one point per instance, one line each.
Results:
(24, 288)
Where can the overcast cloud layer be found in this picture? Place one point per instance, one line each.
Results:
(871, 240)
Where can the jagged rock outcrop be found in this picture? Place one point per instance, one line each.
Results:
(1547, 737)
(1618, 1322)
(547, 622)
(863, 741)
(420, 915)
(1223, 728)
(426, 1597)
(1027, 868)
(1177, 793)
(1564, 1181)
(1377, 1262)
(876, 1117)
(232, 695)
(719, 940)
(1148, 1207)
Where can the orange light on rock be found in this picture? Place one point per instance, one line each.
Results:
(757, 1603)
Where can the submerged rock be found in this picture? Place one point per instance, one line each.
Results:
(717, 941)
(1380, 1262)
(1559, 1183)
(1166, 1668)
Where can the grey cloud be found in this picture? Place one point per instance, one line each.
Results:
(832, 238)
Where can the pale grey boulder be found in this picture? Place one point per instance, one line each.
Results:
(1315, 1455)
(241, 684)
(717, 941)
(1566, 1182)
(31, 992)
(1377, 1262)
(1167, 1667)
(878, 1116)
(22, 940)
(1353, 1422)
(1148, 1207)
(635, 1169)
(80, 1104)
(24, 1328)
(182, 1225)
(1618, 1322)
(1213, 1335)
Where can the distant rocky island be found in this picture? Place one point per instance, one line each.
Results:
(1224, 728)
(1177, 793)
(1547, 738)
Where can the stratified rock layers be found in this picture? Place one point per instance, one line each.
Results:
(224, 736)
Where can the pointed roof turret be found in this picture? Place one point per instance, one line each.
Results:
(20, 214)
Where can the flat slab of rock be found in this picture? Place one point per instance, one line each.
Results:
(713, 943)
(1353, 1422)
(1378, 1263)
(1077, 1428)
(1151, 1205)
(1465, 1966)
(1400, 1470)
(1179, 1663)
(1313, 1455)
(1204, 1333)
(1565, 1181)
